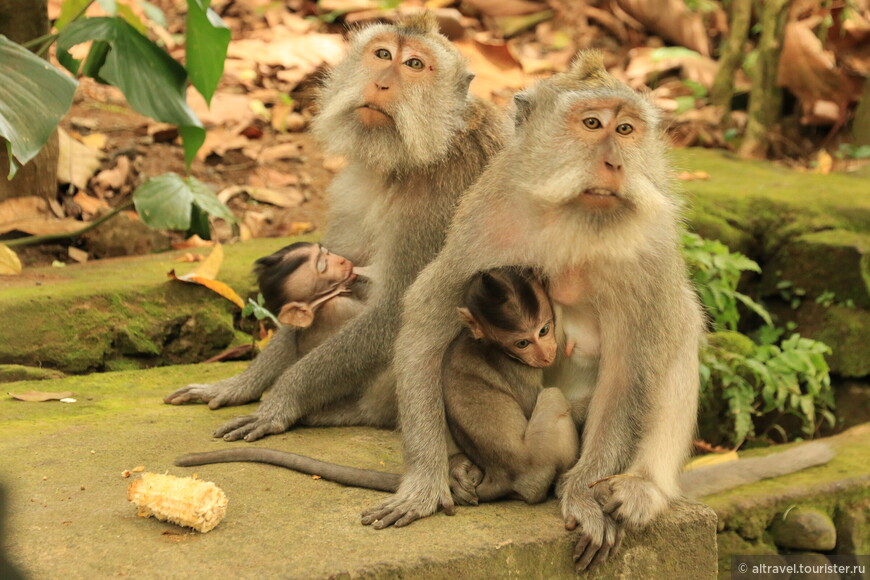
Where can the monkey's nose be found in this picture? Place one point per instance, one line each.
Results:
(381, 87)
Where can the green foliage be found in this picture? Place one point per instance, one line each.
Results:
(34, 97)
(168, 201)
(258, 310)
(153, 83)
(716, 271)
(769, 378)
(849, 151)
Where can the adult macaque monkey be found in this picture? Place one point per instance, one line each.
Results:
(397, 107)
(581, 193)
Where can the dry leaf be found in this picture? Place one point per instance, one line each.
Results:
(712, 459)
(95, 141)
(23, 207)
(205, 275)
(40, 396)
(306, 53)
(268, 177)
(226, 109)
(299, 228)
(672, 20)
(193, 241)
(78, 255)
(347, 5)
(491, 76)
(289, 197)
(41, 226)
(188, 257)
(76, 162)
(10, 265)
(89, 204)
(282, 151)
(113, 178)
(507, 7)
(693, 176)
(824, 163)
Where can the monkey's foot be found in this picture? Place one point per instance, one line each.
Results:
(225, 393)
(410, 503)
(252, 427)
(598, 534)
(465, 476)
(633, 500)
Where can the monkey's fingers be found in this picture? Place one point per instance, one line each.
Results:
(189, 394)
(236, 428)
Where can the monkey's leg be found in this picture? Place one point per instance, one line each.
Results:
(662, 450)
(250, 384)
(607, 448)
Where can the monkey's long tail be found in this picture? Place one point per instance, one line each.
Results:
(723, 476)
(353, 476)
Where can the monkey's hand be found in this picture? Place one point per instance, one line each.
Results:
(630, 499)
(225, 393)
(599, 534)
(416, 498)
(254, 426)
(465, 476)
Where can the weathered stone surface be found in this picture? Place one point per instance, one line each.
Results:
(121, 313)
(835, 263)
(812, 229)
(69, 517)
(804, 529)
(11, 373)
(731, 543)
(853, 529)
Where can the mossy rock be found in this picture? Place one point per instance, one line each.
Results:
(833, 263)
(12, 373)
(122, 313)
(846, 330)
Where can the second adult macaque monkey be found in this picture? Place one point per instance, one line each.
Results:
(581, 193)
(398, 109)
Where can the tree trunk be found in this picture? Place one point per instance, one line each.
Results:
(732, 53)
(861, 122)
(21, 21)
(765, 98)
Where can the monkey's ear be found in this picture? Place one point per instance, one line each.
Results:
(470, 322)
(468, 78)
(297, 314)
(523, 104)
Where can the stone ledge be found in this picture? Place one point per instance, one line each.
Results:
(69, 518)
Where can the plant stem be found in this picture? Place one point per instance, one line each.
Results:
(30, 240)
(49, 39)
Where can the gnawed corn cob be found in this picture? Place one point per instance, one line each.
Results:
(181, 500)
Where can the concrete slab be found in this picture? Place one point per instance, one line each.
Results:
(69, 518)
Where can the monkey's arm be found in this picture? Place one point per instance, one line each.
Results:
(250, 384)
(429, 324)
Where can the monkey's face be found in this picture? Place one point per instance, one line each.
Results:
(534, 346)
(397, 66)
(321, 273)
(396, 101)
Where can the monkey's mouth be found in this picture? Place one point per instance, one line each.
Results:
(599, 192)
(373, 116)
(599, 198)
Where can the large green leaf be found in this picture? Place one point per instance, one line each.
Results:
(34, 96)
(206, 47)
(165, 202)
(152, 81)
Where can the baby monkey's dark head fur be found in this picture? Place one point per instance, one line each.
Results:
(509, 307)
(273, 270)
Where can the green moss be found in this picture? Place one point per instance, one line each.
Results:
(732, 544)
(732, 342)
(13, 373)
(80, 318)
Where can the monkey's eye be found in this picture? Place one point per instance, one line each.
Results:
(383, 54)
(545, 331)
(522, 343)
(414, 63)
(592, 123)
(624, 129)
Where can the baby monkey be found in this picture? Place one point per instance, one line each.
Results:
(514, 437)
(303, 278)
